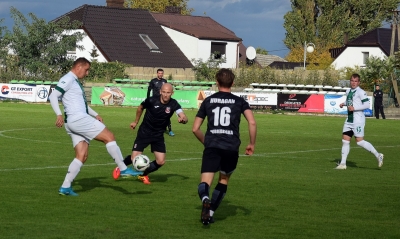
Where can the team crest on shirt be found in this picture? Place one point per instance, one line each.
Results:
(167, 110)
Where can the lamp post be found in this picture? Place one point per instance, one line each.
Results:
(308, 47)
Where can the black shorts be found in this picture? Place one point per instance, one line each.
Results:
(222, 160)
(157, 144)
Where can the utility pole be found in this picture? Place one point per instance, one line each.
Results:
(395, 25)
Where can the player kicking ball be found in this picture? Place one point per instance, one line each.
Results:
(159, 110)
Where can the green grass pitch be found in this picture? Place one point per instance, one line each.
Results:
(288, 189)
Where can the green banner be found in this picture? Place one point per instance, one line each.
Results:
(133, 97)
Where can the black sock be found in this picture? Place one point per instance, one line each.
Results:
(203, 190)
(169, 128)
(217, 195)
(128, 160)
(153, 167)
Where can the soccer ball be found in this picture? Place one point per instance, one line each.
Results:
(141, 162)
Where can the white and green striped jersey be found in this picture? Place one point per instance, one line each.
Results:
(359, 100)
(73, 97)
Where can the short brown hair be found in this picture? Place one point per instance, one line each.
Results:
(81, 61)
(225, 77)
(354, 76)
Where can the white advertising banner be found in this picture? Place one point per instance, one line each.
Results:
(25, 92)
(259, 99)
(263, 100)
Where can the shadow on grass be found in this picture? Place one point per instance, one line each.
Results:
(88, 184)
(156, 177)
(226, 209)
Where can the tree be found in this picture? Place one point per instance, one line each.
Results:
(326, 23)
(377, 71)
(41, 47)
(260, 50)
(206, 70)
(159, 5)
(3, 42)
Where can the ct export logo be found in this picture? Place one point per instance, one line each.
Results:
(333, 103)
(291, 96)
(42, 93)
(5, 90)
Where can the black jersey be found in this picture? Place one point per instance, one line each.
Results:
(155, 85)
(378, 94)
(157, 116)
(223, 111)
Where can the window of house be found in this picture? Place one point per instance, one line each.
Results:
(365, 57)
(218, 49)
(150, 44)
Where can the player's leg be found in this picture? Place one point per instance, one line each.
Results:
(91, 128)
(210, 164)
(138, 147)
(159, 150)
(81, 146)
(359, 135)
(228, 165)
(376, 111)
(382, 112)
(346, 137)
(170, 133)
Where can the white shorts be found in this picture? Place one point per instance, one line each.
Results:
(358, 129)
(84, 129)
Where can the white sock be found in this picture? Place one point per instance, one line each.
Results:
(345, 151)
(368, 146)
(211, 213)
(116, 154)
(73, 171)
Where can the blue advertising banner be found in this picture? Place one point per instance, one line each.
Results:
(332, 102)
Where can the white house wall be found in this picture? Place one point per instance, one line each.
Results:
(353, 56)
(187, 44)
(194, 48)
(88, 44)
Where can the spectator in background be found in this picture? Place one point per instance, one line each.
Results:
(155, 86)
(378, 104)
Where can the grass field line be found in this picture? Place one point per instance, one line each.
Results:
(34, 140)
(189, 159)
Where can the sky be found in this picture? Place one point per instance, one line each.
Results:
(258, 22)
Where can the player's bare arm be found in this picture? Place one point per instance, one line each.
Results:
(248, 114)
(196, 129)
(139, 113)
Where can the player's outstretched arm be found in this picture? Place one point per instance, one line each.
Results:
(196, 129)
(248, 114)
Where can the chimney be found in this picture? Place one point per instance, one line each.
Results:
(173, 9)
(115, 3)
(346, 38)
